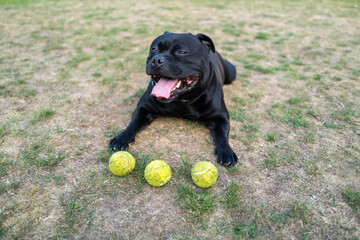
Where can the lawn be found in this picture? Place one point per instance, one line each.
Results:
(72, 72)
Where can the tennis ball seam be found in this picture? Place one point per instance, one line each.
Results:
(207, 169)
(165, 181)
(204, 174)
(152, 168)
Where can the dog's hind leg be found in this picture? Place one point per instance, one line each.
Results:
(230, 72)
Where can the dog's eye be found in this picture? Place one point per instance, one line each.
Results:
(154, 49)
(181, 52)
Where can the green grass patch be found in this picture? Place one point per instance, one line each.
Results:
(18, 1)
(298, 99)
(250, 128)
(112, 132)
(135, 97)
(256, 96)
(239, 101)
(259, 68)
(238, 115)
(299, 210)
(297, 61)
(272, 161)
(41, 115)
(3, 228)
(346, 114)
(296, 120)
(104, 155)
(233, 198)
(14, 184)
(7, 90)
(141, 162)
(332, 125)
(311, 167)
(256, 56)
(26, 92)
(3, 132)
(109, 81)
(271, 136)
(141, 29)
(279, 218)
(232, 30)
(54, 44)
(38, 154)
(309, 136)
(234, 170)
(5, 163)
(96, 74)
(76, 213)
(199, 203)
(318, 77)
(262, 36)
(246, 230)
(290, 114)
(352, 198)
(185, 169)
(75, 61)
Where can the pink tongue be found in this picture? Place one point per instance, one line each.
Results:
(163, 87)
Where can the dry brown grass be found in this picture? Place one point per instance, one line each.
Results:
(71, 73)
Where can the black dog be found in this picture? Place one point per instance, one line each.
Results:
(187, 75)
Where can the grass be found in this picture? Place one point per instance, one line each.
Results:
(42, 115)
(232, 197)
(38, 154)
(72, 73)
(272, 160)
(238, 115)
(75, 61)
(185, 169)
(199, 203)
(247, 230)
(293, 115)
(76, 213)
(5, 163)
(271, 136)
(262, 36)
(352, 198)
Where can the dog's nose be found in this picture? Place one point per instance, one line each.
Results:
(157, 61)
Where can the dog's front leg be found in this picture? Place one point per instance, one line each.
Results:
(219, 129)
(140, 119)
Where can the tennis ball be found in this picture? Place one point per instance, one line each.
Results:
(204, 174)
(157, 173)
(121, 163)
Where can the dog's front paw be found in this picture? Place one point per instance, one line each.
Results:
(226, 156)
(120, 143)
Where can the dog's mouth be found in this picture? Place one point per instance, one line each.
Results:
(167, 89)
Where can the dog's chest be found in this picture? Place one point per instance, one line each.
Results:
(182, 110)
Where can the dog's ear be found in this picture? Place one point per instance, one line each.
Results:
(207, 41)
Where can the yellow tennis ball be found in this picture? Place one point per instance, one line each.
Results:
(157, 173)
(204, 174)
(121, 163)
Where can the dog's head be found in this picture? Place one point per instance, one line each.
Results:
(177, 64)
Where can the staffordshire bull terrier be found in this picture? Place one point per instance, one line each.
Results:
(187, 75)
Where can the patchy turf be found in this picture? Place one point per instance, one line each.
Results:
(71, 73)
